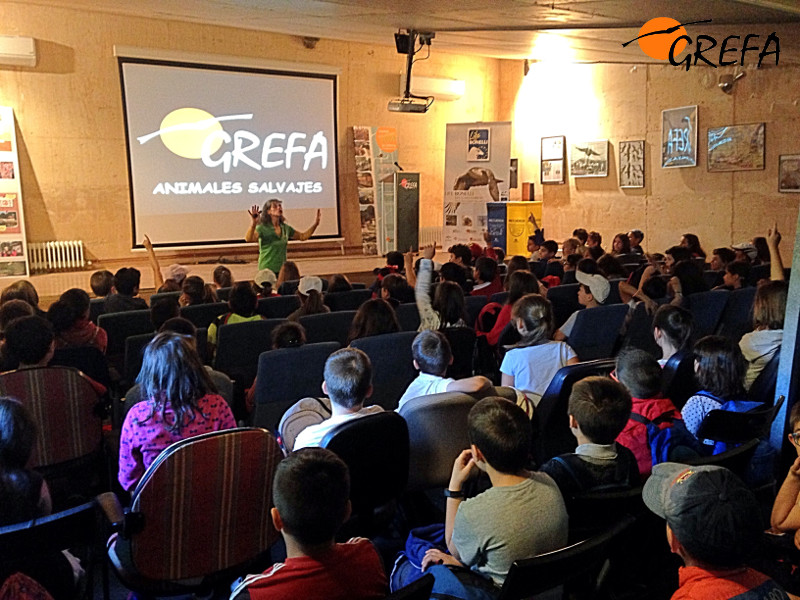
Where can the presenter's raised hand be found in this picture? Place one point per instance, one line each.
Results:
(254, 212)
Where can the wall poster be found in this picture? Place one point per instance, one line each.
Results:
(589, 159)
(679, 137)
(553, 159)
(736, 148)
(13, 246)
(631, 164)
(375, 155)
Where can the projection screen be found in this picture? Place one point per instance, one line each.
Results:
(206, 142)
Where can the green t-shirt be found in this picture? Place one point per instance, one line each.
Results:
(234, 318)
(272, 248)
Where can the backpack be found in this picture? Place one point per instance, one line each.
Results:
(672, 443)
(304, 412)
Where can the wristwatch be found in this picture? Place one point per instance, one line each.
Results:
(453, 494)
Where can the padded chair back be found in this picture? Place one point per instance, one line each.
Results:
(713, 278)
(737, 459)
(64, 406)
(581, 561)
(223, 294)
(552, 435)
(205, 505)
(285, 376)
(437, 430)
(87, 359)
(763, 388)
(679, 383)
(238, 347)
(564, 299)
(375, 449)
(592, 511)
(202, 315)
(737, 318)
(278, 307)
(347, 300)
(473, 306)
(640, 331)
(408, 316)
(392, 365)
(499, 297)
(706, 308)
(613, 293)
(158, 296)
(134, 353)
(120, 326)
(328, 327)
(737, 427)
(758, 272)
(97, 306)
(462, 345)
(596, 331)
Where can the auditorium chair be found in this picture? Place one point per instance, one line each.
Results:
(119, 326)
(737, 318)
(473, 306)
(277, 307)
(199, 517)
(238, 347)
(408, 316)
(350, 300)
(564, 299)
(202, 315)
(596, 331)
(328, 327)
(462, 345)
(706, 309)
(285, 376)
(392, 365)
(679, 382)
(640, 332)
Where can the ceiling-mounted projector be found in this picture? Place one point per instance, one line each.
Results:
(410, 104)
(406, 44)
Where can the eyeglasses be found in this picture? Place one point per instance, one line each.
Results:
(795, 437)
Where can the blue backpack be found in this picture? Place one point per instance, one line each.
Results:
(673, 443)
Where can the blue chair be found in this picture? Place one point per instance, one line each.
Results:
(97, 306)
(613, 294)
(223, 294)
(202, 315)
(596, 331)
(158, 296)
(706, 308)
(499, 297)
(278, 307)
(328, 327)
(462, 345)
(552, 435)
(713, 278)
(285, 376)
(679, 382)
(758, 272)
(119, 326)
(640, 332)
(564, 299)
(392, 365)
(351, 300)
(473, 306)
(238, 347)
(737, 318)
(408, 316)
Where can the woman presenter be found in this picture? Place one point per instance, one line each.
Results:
(270, 229)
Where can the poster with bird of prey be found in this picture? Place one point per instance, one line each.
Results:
(589, 159)
(679, 137)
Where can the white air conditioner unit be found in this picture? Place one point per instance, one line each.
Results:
(439, 88)
(17, 51)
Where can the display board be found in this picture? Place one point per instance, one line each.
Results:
(13, 247)
(205, 142)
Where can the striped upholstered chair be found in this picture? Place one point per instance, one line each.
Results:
(200, 516)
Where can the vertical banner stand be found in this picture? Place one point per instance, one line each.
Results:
(13, 244)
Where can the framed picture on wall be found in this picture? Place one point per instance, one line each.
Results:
(588, 159)
(553, 159)
(478, 144)
(789, 173)
(679, 137)
(631, 164)
(736, 148)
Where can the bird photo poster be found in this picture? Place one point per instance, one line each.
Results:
(588, 159)
(679, 137)
(469, 186)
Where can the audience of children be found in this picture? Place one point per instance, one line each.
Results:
(519, 283)
(223, 278)
(692, 242)
(719, 370)
(374, 317)
(534, 361)
(672, 330)
(101, 283)
(598, 410)
(243, 303)
(635, 237)
(483, 533)
(642, 376)
(621, 244)
(311, 493)
(348, 383)
(761, 344)
(447, 308)
(713, 524)
(432, 355)
(720, 257)
(309, 290)
(339, 283)
(70, 318)
(264, 282)
(735, 276)
(487, 280)
(180, 401)
(22, 290)
(593, 291)
(126, 291)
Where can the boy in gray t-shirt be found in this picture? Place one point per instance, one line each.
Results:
(520, 516)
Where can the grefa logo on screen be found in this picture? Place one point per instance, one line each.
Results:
(664, 38)
(408, 185)
(197, 134)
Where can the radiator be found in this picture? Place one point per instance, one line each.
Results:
(47, 257)
(430, 235)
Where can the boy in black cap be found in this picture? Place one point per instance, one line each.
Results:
(713, 525)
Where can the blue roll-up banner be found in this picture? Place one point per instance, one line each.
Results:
(496, 223)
